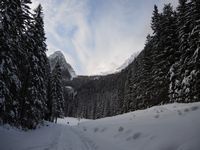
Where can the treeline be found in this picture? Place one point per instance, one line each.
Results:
(167, 70)
(171, 63)
(95, 96)
(29, 91)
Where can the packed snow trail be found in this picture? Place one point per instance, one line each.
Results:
(71, 140)
(54, 137)
(168, 127)
(49, 137)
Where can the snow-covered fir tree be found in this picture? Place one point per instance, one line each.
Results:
(36, 90)
(12, 25)
(184, 86)
(24, 68)
(57, 93)
(175, 70)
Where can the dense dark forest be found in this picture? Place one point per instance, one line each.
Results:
(29, 92)
(167, 70)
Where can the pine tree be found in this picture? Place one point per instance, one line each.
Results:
(35, 95)
(178, 68)
(128, 92)
(23, 65)
(12, 26)
(165, 54)
(57, 93)
(146, 81)
(194, 42)
(190, 80)
(185, 77)
(155, 21)
(39, 52)
(48, 115)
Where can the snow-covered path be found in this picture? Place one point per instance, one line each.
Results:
(69, 139)
(167, 127)
(52, 137)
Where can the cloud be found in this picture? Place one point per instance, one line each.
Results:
(96, 35)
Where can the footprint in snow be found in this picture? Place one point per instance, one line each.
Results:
(186, 110)
(193, 108)
(135, 136)
(156, 116)
(120, 129)
(96, 129)
(179, 113)
(102, 130)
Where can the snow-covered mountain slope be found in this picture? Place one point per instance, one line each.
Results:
(67, 71)
(127, 62)
(123, 66)
(168, 127)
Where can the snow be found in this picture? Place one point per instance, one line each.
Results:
(167, 127)
(68, 87)
(123, 66)
(71, 121)
(127, 62)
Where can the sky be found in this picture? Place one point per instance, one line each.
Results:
(97, 36)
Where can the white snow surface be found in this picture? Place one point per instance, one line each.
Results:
(167, 127)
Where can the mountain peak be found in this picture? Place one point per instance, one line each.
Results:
(56, 54)
(68, 72)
